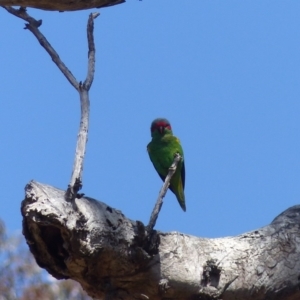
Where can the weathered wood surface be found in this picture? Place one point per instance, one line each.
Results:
(61, 5)
(110, 256)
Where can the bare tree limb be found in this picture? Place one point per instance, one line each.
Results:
(162, 193)
(91, 54)
(76, 178)
(33, 26)
(61, 5)
(99, 247)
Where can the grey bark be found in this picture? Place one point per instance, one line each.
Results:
(33, 26)
(82, 137)
(83, 89)
(114, 258)
(61, 5)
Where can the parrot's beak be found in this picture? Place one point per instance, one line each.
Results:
(161, 129)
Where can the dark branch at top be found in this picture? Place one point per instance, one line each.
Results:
(61, 5)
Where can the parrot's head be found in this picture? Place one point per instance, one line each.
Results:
(160, 127)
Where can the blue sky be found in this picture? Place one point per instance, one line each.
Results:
(225, 73)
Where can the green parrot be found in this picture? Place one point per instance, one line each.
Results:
(162, 148)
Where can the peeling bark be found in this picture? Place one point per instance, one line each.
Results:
(114, 258)
(61, 5)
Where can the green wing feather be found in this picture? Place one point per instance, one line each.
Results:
(161, 153)
(183, 174)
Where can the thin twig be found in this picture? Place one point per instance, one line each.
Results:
(91, 55)
(76, 178)
(163, 192)
(33, 25)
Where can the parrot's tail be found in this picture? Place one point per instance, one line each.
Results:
(182, 203)
(179, 193)
(180, 196)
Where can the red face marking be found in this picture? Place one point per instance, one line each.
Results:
(160, 126)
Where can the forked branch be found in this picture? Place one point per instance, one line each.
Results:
(76, 178)
(83, 89)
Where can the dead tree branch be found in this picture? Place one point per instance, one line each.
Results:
(162, 193)
(76, 178)
(33, 25)
(99, 247)
(61, 5)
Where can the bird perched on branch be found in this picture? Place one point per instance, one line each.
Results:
(162, 148)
